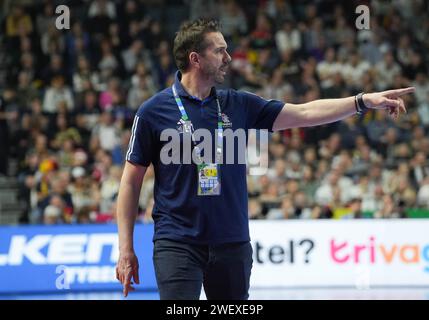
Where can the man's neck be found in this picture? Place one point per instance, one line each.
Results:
(195, 85)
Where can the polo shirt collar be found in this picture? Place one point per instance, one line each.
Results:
(183, 93)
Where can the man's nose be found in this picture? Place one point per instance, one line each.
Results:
(227, 57)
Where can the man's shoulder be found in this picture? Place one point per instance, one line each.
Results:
(241, 97)
(232, 93)
(155, 103)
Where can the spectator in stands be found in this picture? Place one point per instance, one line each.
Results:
(110, 188)
(45, 19)
(52, 41)
(335, 185)
(139, 93)
(288, 37)
(302, 205)
(108, 63)
(83, 216)
(131, 11)
(278, 171)
(26, 91)
(423, 194)
(373, 201)
(18, 23)
(146, 194)
(84, 78)
(419, 169)
(64, 131)
(386, 71)
(56, 94)
(349, 129)
(421, 84)
(377, 128)
(106, 132)
(255, 209)
(371, 47)
(328, 68)
(287, 210)
(276, 88)
(342, 31)
(164, 70)
(232, 19)
(77, 44)
(52, 215)
(146, 217)
(132, 55)
(270, 197)
(404, 50)
(262, 36)
(107, 96)
(308, 184)
(354, 70)
(354, 209)
(28, 66)
(80, 189)
(55, 68)
(59, 196)
(100, 15)
(388, 210)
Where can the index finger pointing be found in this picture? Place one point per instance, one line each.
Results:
(127, 284)
(401, 92)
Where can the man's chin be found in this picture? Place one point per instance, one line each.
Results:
(220, 79)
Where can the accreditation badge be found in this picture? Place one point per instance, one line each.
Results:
(208, 179)
(187, 127)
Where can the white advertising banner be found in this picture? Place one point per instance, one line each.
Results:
(353, 253)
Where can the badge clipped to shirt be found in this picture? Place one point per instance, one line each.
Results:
(187, 127)
(208, 179)
(208, 173)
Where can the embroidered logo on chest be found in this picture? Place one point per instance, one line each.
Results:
(226, 122)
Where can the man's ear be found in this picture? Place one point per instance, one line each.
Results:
(194, 59)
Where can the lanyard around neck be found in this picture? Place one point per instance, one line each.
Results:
(219, 123)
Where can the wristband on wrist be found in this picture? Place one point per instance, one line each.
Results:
(361, 109)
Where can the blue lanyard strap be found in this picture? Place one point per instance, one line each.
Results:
(180, 104)
(219, 123)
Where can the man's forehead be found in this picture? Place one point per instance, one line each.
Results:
(215, 39)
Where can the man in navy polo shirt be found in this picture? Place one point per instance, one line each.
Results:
(200, 212)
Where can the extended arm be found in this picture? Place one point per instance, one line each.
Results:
(330, 110)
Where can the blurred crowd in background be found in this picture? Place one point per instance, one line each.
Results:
(68, 98)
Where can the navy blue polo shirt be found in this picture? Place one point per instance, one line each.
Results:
(179, 213)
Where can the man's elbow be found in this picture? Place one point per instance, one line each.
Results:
(132, 176)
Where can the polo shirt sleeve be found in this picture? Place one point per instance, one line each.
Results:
(261, 113)
(142, 142)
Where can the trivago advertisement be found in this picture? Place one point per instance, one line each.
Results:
(68, 258)
(349, 253)
(287, 253)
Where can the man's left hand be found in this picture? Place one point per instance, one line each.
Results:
(389, 99)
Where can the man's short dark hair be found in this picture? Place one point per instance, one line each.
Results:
(191, 38)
